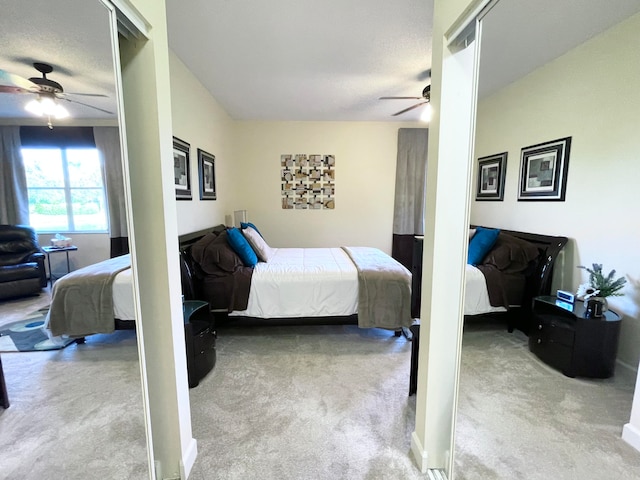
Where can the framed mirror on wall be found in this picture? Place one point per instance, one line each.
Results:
(84, 398)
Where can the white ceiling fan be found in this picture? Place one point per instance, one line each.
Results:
(47, 93)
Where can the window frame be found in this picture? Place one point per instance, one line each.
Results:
(67, 189)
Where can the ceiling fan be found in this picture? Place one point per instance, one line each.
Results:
(426, 98)
(48, 92)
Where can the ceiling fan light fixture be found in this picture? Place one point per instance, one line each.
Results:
(427, 111)
(46, 106)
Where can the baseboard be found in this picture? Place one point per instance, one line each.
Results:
(419, 453)
(188, 459)
(631, 435)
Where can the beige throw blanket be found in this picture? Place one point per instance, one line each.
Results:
(82, 301)
(384, 293)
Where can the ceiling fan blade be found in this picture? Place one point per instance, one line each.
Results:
(410, 108)
(400, 98)
(86, 94)
(87, 105)
(12, 83)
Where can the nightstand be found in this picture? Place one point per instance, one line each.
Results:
(577, 346)
(200, 338)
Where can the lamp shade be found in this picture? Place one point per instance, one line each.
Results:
(239, 217)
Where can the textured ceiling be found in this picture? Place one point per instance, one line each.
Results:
(71, 35)
(306, 59)
(295, 59)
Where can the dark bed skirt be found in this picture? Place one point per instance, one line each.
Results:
(224, 320)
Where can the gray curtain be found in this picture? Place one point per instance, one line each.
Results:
(108, 143)
(14, 198)
(411, 184)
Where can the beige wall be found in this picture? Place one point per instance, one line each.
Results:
(365, 181)
(590, 94)
(201, 122)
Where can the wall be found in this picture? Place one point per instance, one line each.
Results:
(365, 181)
(590, 94)
(201, 122)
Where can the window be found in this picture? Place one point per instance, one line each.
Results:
(66, 189)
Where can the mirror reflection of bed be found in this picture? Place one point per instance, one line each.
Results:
(74, 379)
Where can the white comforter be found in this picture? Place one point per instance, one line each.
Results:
(303, 282)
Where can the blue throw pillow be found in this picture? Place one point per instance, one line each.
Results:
(480, 244)
(241, 246)
(249, 224)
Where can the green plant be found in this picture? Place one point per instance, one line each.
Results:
(606, 285)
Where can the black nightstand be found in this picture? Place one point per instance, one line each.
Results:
(577, 346)
(200, 338)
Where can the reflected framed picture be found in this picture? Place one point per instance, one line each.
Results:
(207, 173)
(181, 172)
(491, 174)
(543, 171)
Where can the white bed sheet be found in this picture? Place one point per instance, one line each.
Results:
(123, 307)
(303, 282)
(476, 297)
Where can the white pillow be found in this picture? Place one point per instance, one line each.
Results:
(263, 251)
(472, 232)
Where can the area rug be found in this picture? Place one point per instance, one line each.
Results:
(27, 335)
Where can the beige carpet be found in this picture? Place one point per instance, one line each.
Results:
(306, 403)
(520, 419)
(312, 403)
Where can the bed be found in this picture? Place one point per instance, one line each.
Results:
(359, 285)
(517, 268)
(94, 299)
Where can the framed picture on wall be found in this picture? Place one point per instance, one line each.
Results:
(491, 173)
(543, 170)
(181, 172)
(207, 173)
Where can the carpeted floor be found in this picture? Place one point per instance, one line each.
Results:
(520, 419)
(312, 403)
(305, 403)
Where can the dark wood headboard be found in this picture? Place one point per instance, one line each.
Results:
(539, 282)
(185, 242)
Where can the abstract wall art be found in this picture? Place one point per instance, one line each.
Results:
(307, 182)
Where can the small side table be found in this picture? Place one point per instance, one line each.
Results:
(577, 346)
(50, 250)
(200, 338)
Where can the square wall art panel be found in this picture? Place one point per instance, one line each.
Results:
(307, 182)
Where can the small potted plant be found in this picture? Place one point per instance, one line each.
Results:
(600, 286)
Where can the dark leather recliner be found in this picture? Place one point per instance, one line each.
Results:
(22, 269)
